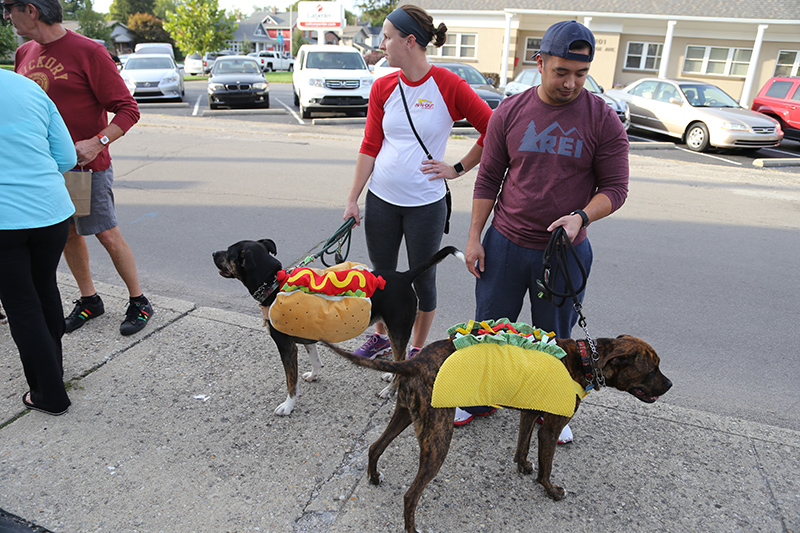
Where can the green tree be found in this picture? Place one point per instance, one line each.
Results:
(375, 11)
(122, 9)
(8, 39)
(200, 25)
(91, 23)
(161, 7)
(297, 41)
(149, 28)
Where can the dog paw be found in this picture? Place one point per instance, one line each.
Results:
(387, 377)
(525, 467)
(376, 480)
(554, 491)
(310, 376)
(285, 409)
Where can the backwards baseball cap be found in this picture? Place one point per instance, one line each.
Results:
(559, 37)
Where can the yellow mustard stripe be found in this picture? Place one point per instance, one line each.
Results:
(317, 282)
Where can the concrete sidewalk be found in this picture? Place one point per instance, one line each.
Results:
(172, 430)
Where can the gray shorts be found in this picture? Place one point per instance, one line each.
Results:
(102, 216)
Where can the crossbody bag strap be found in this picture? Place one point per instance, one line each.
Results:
(408, 114)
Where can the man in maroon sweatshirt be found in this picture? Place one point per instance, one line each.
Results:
(79, 75)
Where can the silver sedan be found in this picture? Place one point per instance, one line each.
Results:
(700, 114)
(153, 76)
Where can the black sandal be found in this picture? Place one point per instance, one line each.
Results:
(29, 405)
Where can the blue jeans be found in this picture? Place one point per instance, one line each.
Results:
(510, 272)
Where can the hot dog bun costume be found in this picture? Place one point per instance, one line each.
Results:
(501, 363)
(331, 305)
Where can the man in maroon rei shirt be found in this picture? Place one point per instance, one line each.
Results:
(79, 75)
(554, 155)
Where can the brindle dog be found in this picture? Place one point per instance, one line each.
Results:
(628, 364)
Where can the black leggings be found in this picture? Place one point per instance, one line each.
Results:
(29, 292)
(386, 224)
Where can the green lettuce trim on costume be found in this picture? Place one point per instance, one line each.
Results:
(498, 332)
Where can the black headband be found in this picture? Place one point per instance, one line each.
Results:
(406, 24)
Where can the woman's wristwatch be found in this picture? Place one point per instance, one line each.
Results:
(459, 168)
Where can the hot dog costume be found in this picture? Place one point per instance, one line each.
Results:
(501, 363)
(331, 305)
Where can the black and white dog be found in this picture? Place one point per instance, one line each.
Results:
(255, 265)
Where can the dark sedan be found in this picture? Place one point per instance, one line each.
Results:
(482, 86)
(237, 81)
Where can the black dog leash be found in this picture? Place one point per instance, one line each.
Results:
(555, 262)
(340, 238)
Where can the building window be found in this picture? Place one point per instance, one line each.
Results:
(788, 63)
(643, 56)
(532, 46)
(717, 61)
(458, 46)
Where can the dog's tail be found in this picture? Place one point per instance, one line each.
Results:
(436, 258)
(403, 368)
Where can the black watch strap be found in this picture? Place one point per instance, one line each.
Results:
(583, 215)
(459, 168)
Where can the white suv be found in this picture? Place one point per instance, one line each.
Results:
(330, 77)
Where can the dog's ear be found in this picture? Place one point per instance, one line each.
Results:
(247, 259)
(269, 245)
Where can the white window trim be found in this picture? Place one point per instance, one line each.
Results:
(437, 52)
(705, 61)
(529, 52)
(644, 56)
(795, 67)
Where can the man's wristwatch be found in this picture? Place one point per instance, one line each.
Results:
(103, 139)
(583, 215)
(459, 168)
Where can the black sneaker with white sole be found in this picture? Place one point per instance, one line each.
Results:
(85, 309)
(136, 318)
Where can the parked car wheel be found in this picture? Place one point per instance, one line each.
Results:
(291, 68)
(304, 112)
(268, 68)
(265, 105)
(296, 97)
(697, 137)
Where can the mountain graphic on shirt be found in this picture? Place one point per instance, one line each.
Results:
(553, 140)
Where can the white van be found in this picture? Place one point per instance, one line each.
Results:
(330, 77)
(154, 48)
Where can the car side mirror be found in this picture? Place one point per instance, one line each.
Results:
(601, 88)
(490, 81)
(675, 100)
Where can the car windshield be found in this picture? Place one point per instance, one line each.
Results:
(706, 96)
(150, 63)
(470, 74)
(591, 85)
(336, 61)
(235, 66)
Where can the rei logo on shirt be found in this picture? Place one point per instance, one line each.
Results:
(552, 140)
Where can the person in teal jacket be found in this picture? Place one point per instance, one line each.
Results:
(35, 209)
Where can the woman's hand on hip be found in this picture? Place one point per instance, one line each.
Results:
(439, 169)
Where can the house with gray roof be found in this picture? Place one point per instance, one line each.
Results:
(733, 44)
(264, 30)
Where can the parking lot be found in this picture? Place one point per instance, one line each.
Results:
(283, 111)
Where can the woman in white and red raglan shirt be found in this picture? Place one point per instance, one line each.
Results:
(406, 191)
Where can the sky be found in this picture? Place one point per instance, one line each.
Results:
(246, 6)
